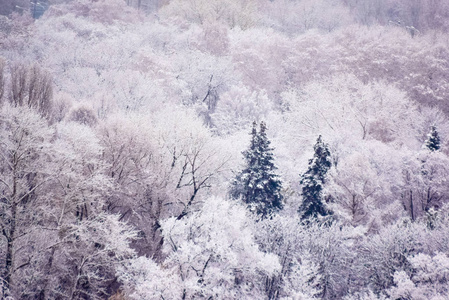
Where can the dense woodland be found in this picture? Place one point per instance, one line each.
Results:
(224, 149)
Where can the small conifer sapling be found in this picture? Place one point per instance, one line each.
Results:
(433, 140)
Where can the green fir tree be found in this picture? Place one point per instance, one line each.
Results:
(257, 184)
(433, 140)
(312, 182)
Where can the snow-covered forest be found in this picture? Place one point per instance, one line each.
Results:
(224, 149)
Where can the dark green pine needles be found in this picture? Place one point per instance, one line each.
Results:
(433, 140)
(312, 182)
(257, 184)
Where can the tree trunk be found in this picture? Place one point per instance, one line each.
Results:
(42, 295)
(411, 206)
(10, 237)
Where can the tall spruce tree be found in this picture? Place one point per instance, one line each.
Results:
(257, 184)
(312, 182)
(433, 139)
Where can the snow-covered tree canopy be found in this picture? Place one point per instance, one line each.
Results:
(122, 129)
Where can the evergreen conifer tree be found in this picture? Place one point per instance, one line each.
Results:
(312, 182)
(257, 184)
(433, 140)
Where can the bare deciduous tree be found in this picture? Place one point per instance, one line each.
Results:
(32, 87)
(24, 171)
